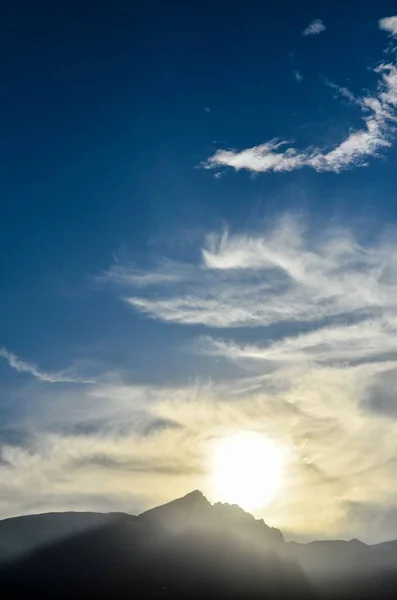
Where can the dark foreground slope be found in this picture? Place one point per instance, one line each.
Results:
(20, 536)
(185, 549)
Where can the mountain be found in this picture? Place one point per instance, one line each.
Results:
(339, 558)
(193, 511)
(22, 535)
(187, 548)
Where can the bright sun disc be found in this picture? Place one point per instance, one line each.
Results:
(247, 470)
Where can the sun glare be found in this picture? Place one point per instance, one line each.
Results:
(247, 470)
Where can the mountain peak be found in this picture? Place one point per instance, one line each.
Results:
(194, 496)
(194, 511)
(193, 502)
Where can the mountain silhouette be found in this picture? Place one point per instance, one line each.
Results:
(187, 548)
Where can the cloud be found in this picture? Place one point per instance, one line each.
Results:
(25, 367)
(92, 448)
(320, 367)
(101, 466)
(379, 114)
(297, 76)
(367, 342)
(342, 91)
(321, 379)
(389, 24)
(322, 375)
(315, 403)
(166, 274)
(288, 273)
(334, 460)
(315, 27)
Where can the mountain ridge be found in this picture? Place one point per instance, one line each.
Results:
(188, 543)
(187, 502)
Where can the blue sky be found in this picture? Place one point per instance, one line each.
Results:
(198, 231)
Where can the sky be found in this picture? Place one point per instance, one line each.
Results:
(198, 232)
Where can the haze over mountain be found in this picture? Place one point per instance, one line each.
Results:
(186, 548)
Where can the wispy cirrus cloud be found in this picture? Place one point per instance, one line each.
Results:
(369, 341)
(379, 113)
(287, 273)
(23, 366)
(314, 28)
(168, 273)
(342, 91)
(389, 24)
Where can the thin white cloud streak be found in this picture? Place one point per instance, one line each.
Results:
(342, 91)
(379, 115)
(367, 341)
(389, 24)
(117, 274)
(22, 366)
(315, 28)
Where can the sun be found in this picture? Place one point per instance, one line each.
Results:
(247, 470)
